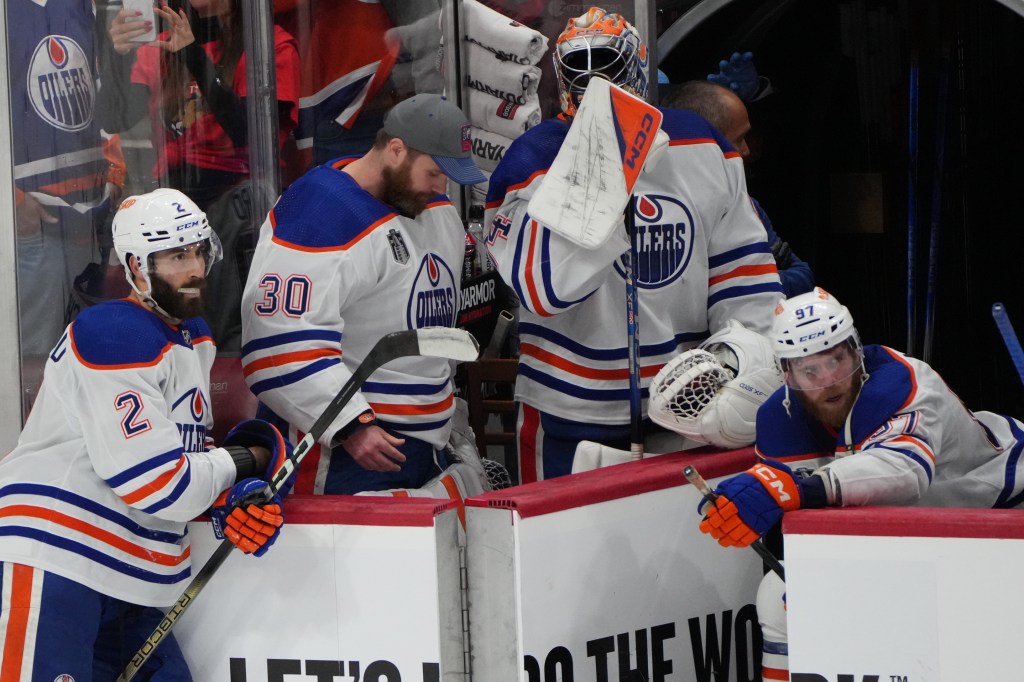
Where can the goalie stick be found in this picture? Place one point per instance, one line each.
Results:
(698, 482)
(441, 342)
(1009, 338)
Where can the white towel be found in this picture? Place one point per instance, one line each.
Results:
(508, 40)
(501, 116)
(488, 148)
(503, 80)
(478, 192)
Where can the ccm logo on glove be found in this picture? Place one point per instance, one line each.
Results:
(768, 475)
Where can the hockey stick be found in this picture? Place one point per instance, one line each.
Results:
(912, 166)
(936, 208)
(636, 429)
(441, 342)
(1009, 338)
(589, 184)
(698, 482)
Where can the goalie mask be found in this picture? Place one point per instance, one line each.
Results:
(815, 341)
(603, 45)
(161, 220)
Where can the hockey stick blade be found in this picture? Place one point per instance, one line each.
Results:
(698, 482)
(584, 192)
(441, 342)
(1009, 338)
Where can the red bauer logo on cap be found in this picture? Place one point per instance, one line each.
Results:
(467, 142)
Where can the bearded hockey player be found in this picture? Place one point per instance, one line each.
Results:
(115, 459)
(703, 260)
(881, 428)
(353, 250)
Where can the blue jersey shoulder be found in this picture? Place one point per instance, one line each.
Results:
(681, 125)
(118, 333)
(532, 151)
(325, 209)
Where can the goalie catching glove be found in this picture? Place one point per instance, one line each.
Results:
(711, 394)
(748, 505)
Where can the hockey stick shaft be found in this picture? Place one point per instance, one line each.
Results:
(636, 433)
(912, 166)
(936, 207)
(698, 482)
(1009, 338)
(453, 344)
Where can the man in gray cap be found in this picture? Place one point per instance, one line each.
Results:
(353, 250)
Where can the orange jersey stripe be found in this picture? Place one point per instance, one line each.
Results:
(107, 537)
(287, 358)
(743, 271)
(579, 370)
(17, 623)
(155, 485)
(396, 409)
(531, 285)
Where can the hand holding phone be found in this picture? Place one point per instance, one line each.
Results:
(136, 21)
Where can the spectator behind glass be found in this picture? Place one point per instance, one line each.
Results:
(192, 82)
(725, 110)
(64, 181)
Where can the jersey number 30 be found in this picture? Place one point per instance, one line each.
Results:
(289, 294)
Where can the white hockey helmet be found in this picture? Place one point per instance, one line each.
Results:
(598, 43)
(809, 324)
(163, 219)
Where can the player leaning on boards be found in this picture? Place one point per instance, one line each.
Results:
(881, 428)
(115, 459)
(703, 259)
(355, 249)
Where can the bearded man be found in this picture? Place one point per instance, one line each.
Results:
(355, 249)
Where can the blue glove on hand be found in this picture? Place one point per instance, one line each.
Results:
(243, 516)
(739, 75)
(749, 504)
(264, 434)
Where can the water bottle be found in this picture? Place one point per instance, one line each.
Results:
(476, 228)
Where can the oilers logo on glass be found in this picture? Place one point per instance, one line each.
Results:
(60, 83)
(664, 240)
(432, 300)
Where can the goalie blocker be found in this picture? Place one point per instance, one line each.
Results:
(711, 394)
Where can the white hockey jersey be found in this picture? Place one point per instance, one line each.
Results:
(112, 461)
(703, 258)
(910, 441)
(335, 270)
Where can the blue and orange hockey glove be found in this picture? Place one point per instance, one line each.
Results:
(243, 516)
(256, 432)
(750, 503)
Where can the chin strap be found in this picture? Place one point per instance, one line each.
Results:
(848, 427)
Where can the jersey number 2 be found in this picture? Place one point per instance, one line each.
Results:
(131, 425)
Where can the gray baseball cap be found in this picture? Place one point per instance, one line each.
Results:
(433, 125)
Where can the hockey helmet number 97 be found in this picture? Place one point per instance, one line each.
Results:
(815, 324)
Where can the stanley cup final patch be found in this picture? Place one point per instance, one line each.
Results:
(399, 251)
(467, 141)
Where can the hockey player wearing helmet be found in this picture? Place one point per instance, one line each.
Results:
(874, 426)
(115, 459)
(703, 261)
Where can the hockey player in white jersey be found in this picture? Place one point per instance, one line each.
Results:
(875, 426)
(353, 250)
(115, 459)
(703, 259)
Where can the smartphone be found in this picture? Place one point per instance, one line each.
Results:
(146, 7)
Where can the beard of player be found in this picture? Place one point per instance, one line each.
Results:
(396, 192)
(175, 303)
(831, 405)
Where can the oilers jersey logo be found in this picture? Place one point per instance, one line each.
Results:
(664, 240)
(60, 84)
(193, 432)
(432, 302)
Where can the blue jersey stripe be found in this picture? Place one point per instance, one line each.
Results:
(290, 378)
(96, 556)
(652, 350)
(740, 291)
(405, 389)
(291, 337)
(145, 467)
(92, 507)
(727, 257)
(576, 391)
